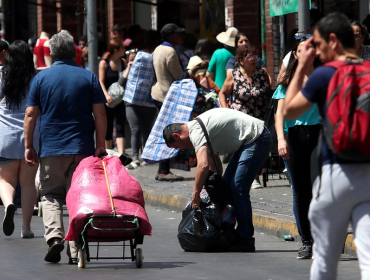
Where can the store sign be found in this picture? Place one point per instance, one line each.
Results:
(283, 7)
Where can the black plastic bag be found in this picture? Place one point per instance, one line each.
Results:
(201, 230)
(218, 190)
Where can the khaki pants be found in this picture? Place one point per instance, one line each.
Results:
(55, 179)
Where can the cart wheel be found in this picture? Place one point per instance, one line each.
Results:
(40, 209)
(139, 257)
(81, 258)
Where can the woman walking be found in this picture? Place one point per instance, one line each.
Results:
(110, 68)
(18, 72)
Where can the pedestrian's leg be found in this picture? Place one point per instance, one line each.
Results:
(109, 134)
(120, 117)
(293, 193)
(252, 157)
(27, 181)
(72, 245)
(361, 232)
(53, 182)
(8, 182)
(147, 117)
(329, 215)
(134, 124)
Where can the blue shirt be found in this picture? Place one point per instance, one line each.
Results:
(65, 94)
(311, 117)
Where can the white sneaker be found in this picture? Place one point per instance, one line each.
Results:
(256, 185)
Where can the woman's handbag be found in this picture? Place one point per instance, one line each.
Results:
(216, 187)
(116, 91)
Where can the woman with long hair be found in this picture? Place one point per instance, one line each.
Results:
(361, 36)
(18, 72)
(110, 71)
(297, 149)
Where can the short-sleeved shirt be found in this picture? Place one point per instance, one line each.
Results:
(311, 117)
(231, 63)
(217, 65)
(40, 51)
(315, 90)
(228, 130)
(250, 97)
(11, 127)
(65, 94)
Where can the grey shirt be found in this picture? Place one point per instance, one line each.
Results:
(228, 130)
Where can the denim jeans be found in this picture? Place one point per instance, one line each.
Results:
(240, 173)
(293, 193)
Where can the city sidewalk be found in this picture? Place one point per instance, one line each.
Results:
(272, 206)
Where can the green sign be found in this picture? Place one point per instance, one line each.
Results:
(283, 7)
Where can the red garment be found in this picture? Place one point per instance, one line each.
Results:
(40, 51)
(78, 56)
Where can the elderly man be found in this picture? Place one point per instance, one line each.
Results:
(168, 68)
(70, 103)
(230, 131)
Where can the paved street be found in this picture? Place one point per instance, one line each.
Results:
(164, 258)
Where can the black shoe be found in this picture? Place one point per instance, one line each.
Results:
(8, 222)
(246, 246)
(55, 247)
(305, 252)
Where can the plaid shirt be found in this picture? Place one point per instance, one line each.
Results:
(176, 108)
(140, 80)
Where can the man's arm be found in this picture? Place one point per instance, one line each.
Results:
(101, 128)
(201, 175)
(29, 128)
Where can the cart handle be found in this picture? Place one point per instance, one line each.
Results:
(134, 221)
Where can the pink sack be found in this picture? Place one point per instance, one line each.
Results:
(89, 193)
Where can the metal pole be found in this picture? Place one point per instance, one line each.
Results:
(263, 30)
(282, 36)
(92, 36)
(303, 15)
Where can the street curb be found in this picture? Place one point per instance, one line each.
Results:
(274, 225)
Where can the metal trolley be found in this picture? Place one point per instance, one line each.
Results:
(110, 228)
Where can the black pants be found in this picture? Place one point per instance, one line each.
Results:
(117, 113)
(302, 140)
(164, 165)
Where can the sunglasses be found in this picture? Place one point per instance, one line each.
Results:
(301, 36)
(131, 51)
(250, 57)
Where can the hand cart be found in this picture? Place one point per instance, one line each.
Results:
(110, 228)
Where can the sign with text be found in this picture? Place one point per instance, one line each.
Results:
(283, 7)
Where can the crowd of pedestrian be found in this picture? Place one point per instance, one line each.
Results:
(54, 113)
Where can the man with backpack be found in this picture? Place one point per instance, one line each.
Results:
(341, 194)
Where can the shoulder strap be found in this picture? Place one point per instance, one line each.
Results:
(208, 142)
